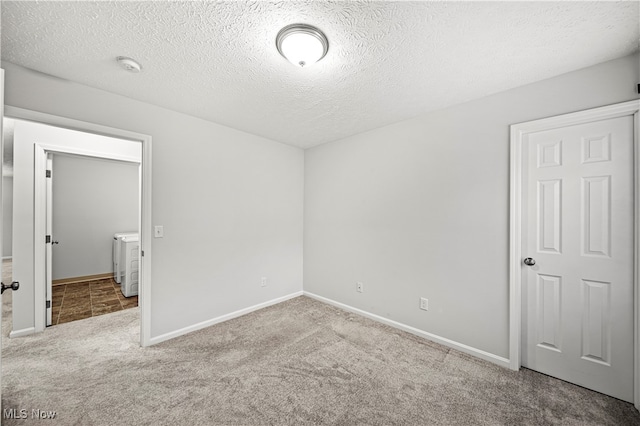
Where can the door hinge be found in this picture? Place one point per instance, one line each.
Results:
(48, 173)
(142, 253)
(47, 239)
(48, 304)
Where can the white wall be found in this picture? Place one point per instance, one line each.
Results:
(7, 215)
(92, 199)
(421, 208)
(230, 202)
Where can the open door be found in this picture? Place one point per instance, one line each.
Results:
(49, 231)
(14, 285)
(1, 218)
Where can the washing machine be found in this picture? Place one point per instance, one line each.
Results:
(130, 250)
(117, 254)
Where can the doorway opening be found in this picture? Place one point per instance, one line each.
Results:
(88, 201)
(49, 134)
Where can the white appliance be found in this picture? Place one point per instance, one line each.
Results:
(117, 254)
(130, 250)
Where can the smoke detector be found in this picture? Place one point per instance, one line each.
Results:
(129, 64)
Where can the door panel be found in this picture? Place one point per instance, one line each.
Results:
(549, 224)
(578, 297)
(597, 216)
(549, 311)
(596, 311)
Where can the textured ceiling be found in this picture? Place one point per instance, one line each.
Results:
(387, 61)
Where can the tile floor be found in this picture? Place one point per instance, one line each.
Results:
(81, 300)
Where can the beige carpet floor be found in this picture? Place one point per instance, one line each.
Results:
(297, 363)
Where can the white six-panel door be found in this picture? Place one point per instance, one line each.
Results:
(578, 308)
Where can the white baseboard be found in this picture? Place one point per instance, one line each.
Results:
(503, 362)
(227, 317)
(7, 258)
(23, 332)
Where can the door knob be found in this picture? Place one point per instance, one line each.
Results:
(529, 261)
(14, 286)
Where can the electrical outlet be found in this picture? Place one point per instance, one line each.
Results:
(359, 287)
(424, 304)
(263, 282)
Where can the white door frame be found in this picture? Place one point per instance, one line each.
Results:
(144, 224)
(48, 231)
(519, 135)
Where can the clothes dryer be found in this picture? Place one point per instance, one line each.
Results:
(117, 254)
(130, 265)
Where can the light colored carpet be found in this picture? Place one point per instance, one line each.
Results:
(299, 362)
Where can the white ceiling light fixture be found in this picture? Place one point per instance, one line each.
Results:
(129, 64)
(301, 44)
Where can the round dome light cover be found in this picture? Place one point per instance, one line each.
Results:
(302, 44)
